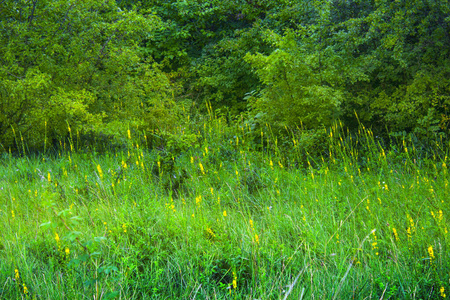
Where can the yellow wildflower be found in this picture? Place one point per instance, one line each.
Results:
(256, 238)
(431, 252)
(395, 233)
(375, 243)
(211, 232)
(100, 173)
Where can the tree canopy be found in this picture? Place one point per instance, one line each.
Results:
(77, 64)
(106, 66)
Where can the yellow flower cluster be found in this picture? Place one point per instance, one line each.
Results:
(375, 243)
(395, 234)
(17, 278)
(431, 253)
(255, 235)
(100, 172)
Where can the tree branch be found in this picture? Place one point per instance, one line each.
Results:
(30, 18)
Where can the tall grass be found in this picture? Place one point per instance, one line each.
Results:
(228, 212)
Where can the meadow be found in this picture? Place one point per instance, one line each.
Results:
(224, 211)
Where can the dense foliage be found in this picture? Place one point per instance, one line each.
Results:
(102, 66)
(77, 64)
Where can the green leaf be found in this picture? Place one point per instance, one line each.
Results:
(72, 235)
(46, 225)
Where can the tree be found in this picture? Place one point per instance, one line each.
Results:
(78, 64)
(387, 61)
(203, 44)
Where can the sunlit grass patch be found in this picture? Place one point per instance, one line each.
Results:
(223, 216)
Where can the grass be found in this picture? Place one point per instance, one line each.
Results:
(223, 212)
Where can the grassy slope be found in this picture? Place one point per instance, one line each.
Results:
(222, 221)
